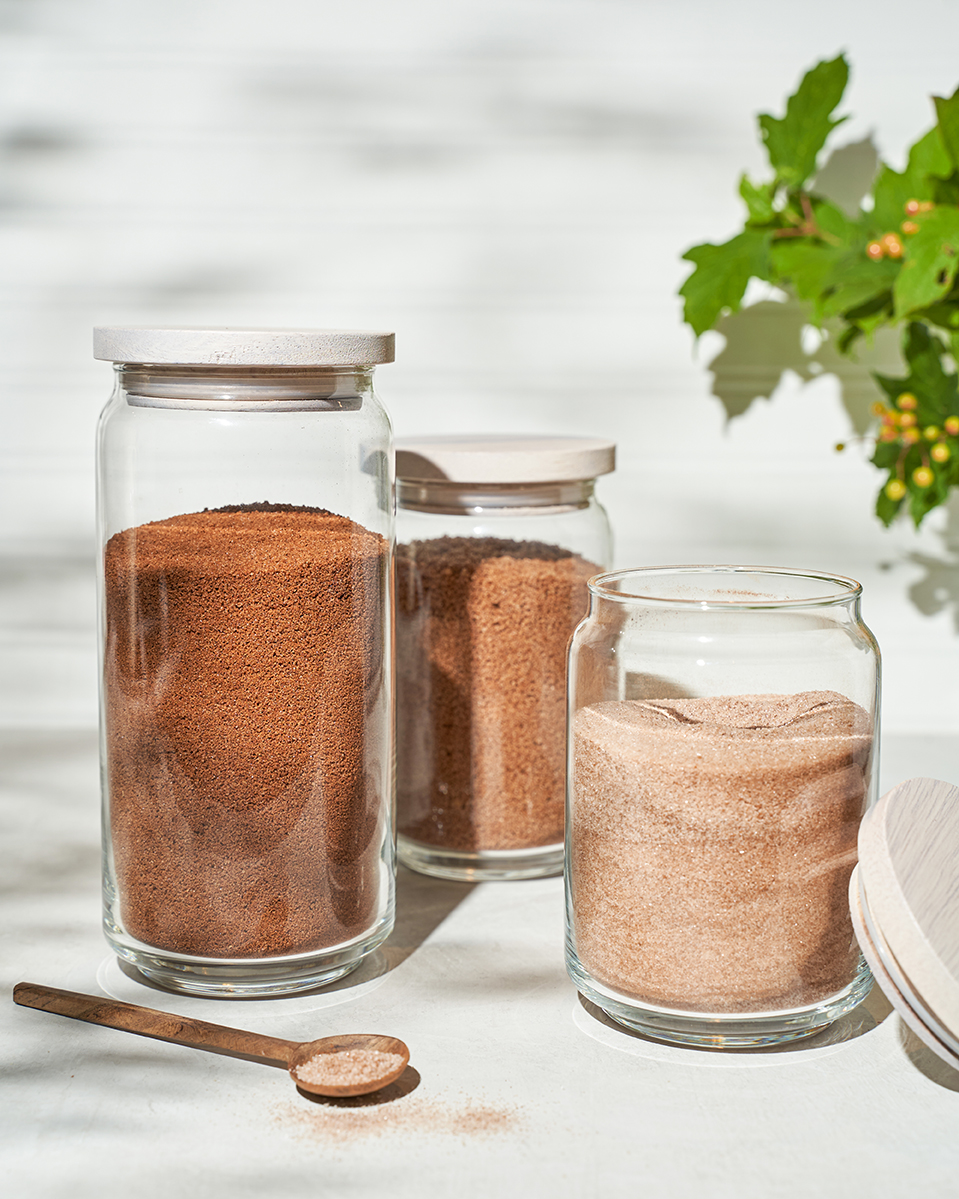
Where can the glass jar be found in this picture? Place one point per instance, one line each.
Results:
(497, 537)
(723, 748)
(246, 523)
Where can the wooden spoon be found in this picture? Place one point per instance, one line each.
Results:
(361, 1072)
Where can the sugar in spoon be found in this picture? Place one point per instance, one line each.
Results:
(353, 1064)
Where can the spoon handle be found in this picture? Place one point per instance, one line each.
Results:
(147, 1022)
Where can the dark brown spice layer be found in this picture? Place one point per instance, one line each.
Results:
(482, 630)
(243, 652)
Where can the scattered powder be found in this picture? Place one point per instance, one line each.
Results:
(346, 1121)
(712, 846)
(349, 1067)
(482, 630)
(245, 689)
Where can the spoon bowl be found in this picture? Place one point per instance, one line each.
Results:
(349, 1065)
(352, 1064)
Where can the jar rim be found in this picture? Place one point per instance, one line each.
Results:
(837, 589)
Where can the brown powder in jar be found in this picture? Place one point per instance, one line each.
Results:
(482, 629)
(349, 1067)
(245, 728)
(712, 846)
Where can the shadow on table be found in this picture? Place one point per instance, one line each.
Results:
(926, 1062)
(873, 1010)
(422, 904)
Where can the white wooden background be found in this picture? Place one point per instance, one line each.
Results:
(509, 184)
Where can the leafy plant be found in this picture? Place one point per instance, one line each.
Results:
(893, 264)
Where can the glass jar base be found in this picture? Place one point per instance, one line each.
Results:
(244, 978)
(476, 866)
(726, 1030)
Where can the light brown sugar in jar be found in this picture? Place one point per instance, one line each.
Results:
(712, 847)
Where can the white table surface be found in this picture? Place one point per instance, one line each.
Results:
(521, 1091)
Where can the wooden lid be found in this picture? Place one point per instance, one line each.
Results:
(904, 899)
(502, 458)
(234, 346)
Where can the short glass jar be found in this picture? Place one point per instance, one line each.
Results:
(497, 537)
(722, 751)
(246, 522)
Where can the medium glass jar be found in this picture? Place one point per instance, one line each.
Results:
(245, 518)
(498, 536)
(722, 750)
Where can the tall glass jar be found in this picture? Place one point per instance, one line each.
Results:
(246, 524)
(497, 537)
(722, 750)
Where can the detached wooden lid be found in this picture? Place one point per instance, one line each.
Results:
(904, 900)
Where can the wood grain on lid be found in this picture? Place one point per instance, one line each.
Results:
(893, 983)
(909, 863)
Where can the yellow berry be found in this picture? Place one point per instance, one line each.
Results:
(907, 401)
(878, 409)
(911, 436)
(911, 207)
(940, 452)
(922, 476)
(907, 419)
(895, 489)
(888, 433)
(930, 432)
(925, 206)
(891, 244)
(909, 227)
(875, 250)
(951, 425)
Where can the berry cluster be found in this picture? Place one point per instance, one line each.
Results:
(890, 244)
(900, 423)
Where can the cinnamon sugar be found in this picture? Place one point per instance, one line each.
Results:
(712, 846)
(482, 629)
(348, 1067)
(336, 1121)
(245, 702)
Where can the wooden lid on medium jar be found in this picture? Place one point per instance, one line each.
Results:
(904, 900)
(503, 458)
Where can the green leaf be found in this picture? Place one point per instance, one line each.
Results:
(948, 113)
(846, 342)
(928, 163)
(945, 315)
(946, 191)
(869, 317)
(803, 264)
(793, 142)
(886, 509)
(833, 221)
(856, 280)
(886, 455)
(759, 200)
(719, 280)
(922, 500)
(936, 391)
(931, 259)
